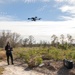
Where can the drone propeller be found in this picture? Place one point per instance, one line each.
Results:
(39, 18)
(29, 18)
(35, 16)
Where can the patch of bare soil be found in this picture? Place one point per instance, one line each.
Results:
(48, 67)
(17, 69)
(55, 68)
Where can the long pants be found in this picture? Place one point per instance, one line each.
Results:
(9, 55)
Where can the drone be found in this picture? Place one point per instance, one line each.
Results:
(34, 18)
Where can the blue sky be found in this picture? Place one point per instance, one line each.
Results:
(58, 17)
(48, 10)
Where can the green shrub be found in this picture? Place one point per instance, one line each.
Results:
(27, 57)
(34, 62)
(32, 58)
(38, 60)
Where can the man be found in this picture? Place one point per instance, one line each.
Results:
(8, 49)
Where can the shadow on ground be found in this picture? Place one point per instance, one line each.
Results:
(28, 69)
(24, 65)
(63, 71)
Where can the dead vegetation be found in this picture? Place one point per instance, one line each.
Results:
(1, 70)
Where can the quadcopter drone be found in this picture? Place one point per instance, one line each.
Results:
(34, 18)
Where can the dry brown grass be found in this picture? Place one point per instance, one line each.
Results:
(1, 70)
(2, 55)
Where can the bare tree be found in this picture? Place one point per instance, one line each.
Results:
(54, 40)
(15, 39)
(62, 38)
(25, 42)
(4, 36)
(70, 39)
(31, 40)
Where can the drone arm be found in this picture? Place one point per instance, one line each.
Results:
(39, 18)
(29, 18)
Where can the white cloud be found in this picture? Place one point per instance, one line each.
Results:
(67, 18)
(66, 1)
(67, 8)
(39, 29)
(7, 18)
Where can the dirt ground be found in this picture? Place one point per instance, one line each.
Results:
(55, 68)
(17, 69)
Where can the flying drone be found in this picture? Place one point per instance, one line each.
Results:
(34, 18)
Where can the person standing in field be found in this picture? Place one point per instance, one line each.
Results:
(9, 50)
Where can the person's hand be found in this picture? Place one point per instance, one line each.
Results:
(8, 49)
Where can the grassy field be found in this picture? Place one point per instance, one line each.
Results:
(50, 53)
(36, 55)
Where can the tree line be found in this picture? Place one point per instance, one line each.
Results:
(17, 41)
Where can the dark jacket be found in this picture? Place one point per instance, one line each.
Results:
(8, 48)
